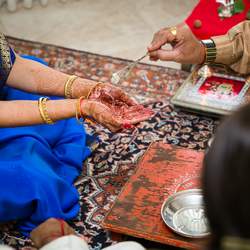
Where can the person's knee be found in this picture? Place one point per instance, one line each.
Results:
(5, 248)
(70, 242)
(126, 245)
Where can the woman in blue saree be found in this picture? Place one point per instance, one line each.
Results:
(42, 147)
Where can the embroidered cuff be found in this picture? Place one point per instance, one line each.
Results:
(7, 59)
(224, 50)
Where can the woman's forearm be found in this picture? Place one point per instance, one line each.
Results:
(23, 113)
(35, 77)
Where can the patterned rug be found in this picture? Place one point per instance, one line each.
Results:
(106, 171)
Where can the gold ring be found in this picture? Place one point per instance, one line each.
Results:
(173, 31)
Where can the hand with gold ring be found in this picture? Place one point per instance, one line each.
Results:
(186, 48)
(173, 31)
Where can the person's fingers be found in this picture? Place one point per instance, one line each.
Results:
(166, 55)
(137, 111)
(113, 128)
(112, 121)
(68, 230)
(129, 101)
(105, 116)
(119, 94)
(125, 98)
(139, 116)
(161, 38)
(112, 92)
(48, 231)
(153, 58)
(138, 119)
(113, 125)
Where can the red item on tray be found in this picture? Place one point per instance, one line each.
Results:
(206, 14)
(220, 88)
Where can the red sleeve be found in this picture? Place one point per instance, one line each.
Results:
(211, 24)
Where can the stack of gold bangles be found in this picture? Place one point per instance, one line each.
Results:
(68, 94)
(68, 87)
(43, 110)
(79, 114)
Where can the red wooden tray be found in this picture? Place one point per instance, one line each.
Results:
(163, 170)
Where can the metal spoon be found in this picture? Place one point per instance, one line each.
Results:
(122, 74)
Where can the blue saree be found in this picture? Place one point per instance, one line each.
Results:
(38, 165)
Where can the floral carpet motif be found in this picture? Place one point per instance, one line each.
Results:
(114, 160)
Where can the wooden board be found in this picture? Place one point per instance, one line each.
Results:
(163, 170)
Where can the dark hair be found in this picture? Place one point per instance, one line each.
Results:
(226, 179)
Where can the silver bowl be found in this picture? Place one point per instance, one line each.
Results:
(184, 213)
(210, 141)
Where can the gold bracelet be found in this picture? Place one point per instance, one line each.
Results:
(210, 50)
(79, 113)
(92, 89)
(43, 110)
(78, 109)
(68, 86)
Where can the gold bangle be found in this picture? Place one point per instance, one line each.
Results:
(43, 110)
(210, 50)
(79, 113)
(78, 109)
(92, 89)
(68, 86)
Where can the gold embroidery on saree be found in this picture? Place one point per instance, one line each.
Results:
(5, 56)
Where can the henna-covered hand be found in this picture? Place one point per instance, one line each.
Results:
(101, 113)
(106, 92)
(113, 108)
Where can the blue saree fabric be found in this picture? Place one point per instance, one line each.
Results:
(38, 165)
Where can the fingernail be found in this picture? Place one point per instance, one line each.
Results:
(127, 126)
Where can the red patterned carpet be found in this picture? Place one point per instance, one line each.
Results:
(106, 171)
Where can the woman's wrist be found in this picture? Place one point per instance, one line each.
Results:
(81, 87)
(85, 107)
(61, 109)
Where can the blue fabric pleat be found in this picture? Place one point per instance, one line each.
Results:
(38, 165)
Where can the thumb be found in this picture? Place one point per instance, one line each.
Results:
(166, 54)
(155, 45)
